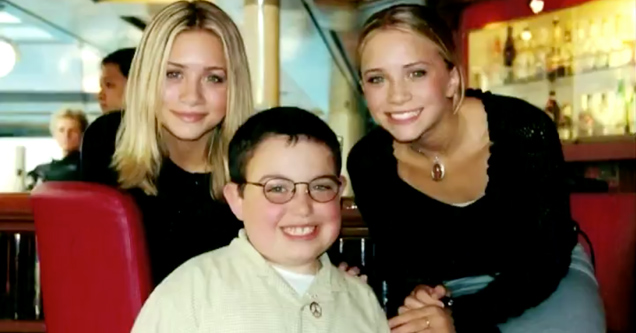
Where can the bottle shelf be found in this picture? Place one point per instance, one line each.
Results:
(585, 82)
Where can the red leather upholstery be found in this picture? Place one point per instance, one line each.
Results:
(94, 265)
(610, 222)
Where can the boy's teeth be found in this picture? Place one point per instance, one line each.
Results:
(404, 115)
(299, 231)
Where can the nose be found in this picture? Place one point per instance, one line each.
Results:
(399, 92)
(190, 93)
(302, 203)
(101, 96)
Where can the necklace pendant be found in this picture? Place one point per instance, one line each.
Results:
(438, 171)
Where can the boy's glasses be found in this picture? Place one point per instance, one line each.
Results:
(281, 190)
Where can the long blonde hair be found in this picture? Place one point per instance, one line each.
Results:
(139, 152)
(424, 21)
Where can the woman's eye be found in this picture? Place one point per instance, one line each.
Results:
(173, 74)
(418, 73)
(375, 79)
(216, 79)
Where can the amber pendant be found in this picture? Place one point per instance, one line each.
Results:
(438, 171)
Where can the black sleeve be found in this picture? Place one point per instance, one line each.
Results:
(544, 232)
(98, 147)
(363, 164)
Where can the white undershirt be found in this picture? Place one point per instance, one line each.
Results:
(300, 282)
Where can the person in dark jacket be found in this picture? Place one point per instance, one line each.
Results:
(67, 128)
(464, 193)
(113, 79)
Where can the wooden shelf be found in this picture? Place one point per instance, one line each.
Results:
(22, 326)
(15, 212)
(623, 148)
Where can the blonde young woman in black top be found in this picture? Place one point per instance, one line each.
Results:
(464, 194)
(188, 91)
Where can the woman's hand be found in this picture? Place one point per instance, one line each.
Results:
(353, 271)
(423, 312)
(427, 319)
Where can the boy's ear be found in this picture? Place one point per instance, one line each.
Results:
(234, 199)
(343, 184)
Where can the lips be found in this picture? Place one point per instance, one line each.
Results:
(403, 117)
(189, 117)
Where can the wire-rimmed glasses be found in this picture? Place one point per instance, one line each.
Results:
(281, 190)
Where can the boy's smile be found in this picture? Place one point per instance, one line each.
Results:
(293, 234)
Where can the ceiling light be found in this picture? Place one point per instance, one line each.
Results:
(536, 6)
(8, 18)
(8, 57)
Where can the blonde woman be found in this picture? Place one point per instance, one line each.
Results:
(67, 127)
(466, 196)
(187, 93)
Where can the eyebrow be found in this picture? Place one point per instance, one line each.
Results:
(278, 176)
(412, 64)
(209, 68)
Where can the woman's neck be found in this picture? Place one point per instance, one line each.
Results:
(443, 138)
(191, 156)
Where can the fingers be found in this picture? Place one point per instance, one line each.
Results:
(427, 319)
(440, 291)
(423, 287)
(426, 295)
(353, 271)
(343, 266)
(413, 303)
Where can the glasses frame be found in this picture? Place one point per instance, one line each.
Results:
(308, 191)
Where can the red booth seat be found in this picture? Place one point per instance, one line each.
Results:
(94, 266)
(610, 222)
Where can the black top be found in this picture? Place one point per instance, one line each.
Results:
(182, 221)
(520, 232)
(66, 169)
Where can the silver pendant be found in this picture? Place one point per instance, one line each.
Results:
(438, 171)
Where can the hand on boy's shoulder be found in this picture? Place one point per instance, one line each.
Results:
(352, 271)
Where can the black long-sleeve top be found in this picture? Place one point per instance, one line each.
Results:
(181, 221)
(520, 232)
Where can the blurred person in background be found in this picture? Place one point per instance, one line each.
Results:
(112, 83)
(67, 127)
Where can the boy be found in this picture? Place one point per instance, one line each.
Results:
(275, 277)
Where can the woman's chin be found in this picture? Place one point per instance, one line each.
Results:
(405, 136)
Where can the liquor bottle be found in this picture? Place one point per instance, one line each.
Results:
(585, 121)
(566, 53)
(509, 49)
(604, 45)
(554, 61)
(592, 45)
(509, 55)
(552, 108)
(630, 109)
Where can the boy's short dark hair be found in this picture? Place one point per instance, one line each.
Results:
(122, 58)
(292, 122)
